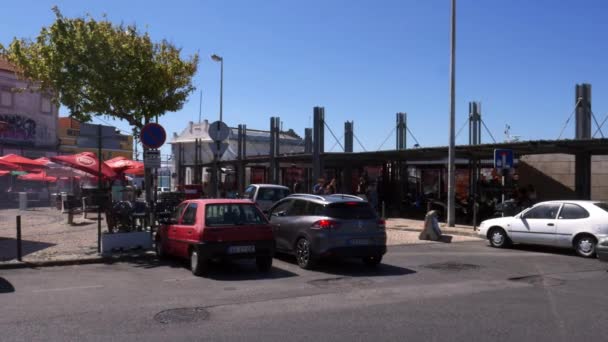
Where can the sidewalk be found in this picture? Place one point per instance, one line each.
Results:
(47, 239)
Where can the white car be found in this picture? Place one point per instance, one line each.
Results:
(570, 224)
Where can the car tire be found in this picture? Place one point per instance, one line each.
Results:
(304, 255)
(264, 263)
(372, 261)
(159, 249)
(498, 238)
(198, 265)
(585, 245)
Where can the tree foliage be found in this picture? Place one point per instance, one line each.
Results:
(94, 67)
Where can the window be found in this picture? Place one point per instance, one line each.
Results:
(281, 208)
(572, 212)
(272, 194)
(543, 211)
(178, 212)
(6, 98)
(602, 205)
(232, 215)
(190, 215)
(249, 192)
(297, 209)
(315, 209)
(351, 210)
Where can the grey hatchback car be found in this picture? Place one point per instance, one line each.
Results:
(312, 227)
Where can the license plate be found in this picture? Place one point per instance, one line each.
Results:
(241, 249)
(360, 242)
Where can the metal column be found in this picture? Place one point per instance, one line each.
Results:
(241, 156)
(582, 167)
(474, 163)
(401, 131)
(275, 123)
(347, 172)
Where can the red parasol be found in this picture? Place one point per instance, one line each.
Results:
(25, 163)
(85, 161)
(4, 173)
(56, 170)
(38, 177)
(120, 164)
(4, 165)
(136, 171)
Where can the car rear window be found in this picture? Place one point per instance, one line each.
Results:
(602, 205)
(272, 194)
(350, 210)
(232, 214)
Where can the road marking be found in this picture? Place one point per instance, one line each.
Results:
(70, 288)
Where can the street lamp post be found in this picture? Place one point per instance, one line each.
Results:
(216, 171)
(451, 154)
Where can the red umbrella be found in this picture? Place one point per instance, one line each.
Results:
(120, 164)
(4, 173)
(85, 161)
(38, 177)
(25, 163)
(4, 165)
(136, 171)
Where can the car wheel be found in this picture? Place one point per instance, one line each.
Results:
(498, 238)
(198, 265)
(160, 250)
(264, 263)
(303, 254)
(585, 246)
(372, 261)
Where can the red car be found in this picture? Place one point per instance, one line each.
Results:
(207, 229)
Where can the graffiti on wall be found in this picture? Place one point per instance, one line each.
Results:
(18, 128)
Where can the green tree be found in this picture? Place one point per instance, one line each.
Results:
(96, 68)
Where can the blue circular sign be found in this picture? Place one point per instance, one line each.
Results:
(153, 135)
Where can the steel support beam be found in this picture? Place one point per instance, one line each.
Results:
(318, 143)
(582, 167)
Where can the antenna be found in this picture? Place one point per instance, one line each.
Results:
(200, 108)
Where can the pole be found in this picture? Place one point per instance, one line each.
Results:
(99, 161)
(221, 87)
(451, 154)
(19, 254)
(217, 177)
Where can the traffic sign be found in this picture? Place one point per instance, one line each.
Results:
(152, 159)
(218, 131)
(503, 159)
(218, 148)
(153, 135)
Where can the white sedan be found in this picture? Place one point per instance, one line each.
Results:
(570, 224)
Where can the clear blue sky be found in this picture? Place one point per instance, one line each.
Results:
(367, 60)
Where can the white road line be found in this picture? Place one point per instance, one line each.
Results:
(69, 288)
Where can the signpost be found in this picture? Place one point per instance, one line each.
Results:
(152, 159)
(152, 137)
(503, 161)
(218, 132)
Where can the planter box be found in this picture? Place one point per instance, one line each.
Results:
(125, 241)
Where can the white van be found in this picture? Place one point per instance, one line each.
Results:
(265, 195)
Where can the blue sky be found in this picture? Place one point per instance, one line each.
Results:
(367, 60)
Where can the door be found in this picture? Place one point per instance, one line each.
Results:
(572, 217)
(171, 232)
(186, 231)
(538, 225)
(278, 220)
(296, 219)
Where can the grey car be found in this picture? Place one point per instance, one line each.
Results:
(602, 249)
(312, 227)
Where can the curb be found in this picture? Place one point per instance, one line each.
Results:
(83, 261)
(443, 230)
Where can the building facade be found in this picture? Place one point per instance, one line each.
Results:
(75, 137)
(29, 118)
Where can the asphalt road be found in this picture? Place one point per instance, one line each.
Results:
(441, 292)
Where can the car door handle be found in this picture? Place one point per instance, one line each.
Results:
(550, 224)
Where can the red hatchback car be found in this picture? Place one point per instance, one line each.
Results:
(207, 229)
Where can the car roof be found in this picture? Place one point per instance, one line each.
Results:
(334, 198)
(205, 201)
(270, 186)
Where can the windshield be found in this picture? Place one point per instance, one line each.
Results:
(232, 214)
(272, 194)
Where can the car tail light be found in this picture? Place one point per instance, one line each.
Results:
(325, 224)
(381, 224)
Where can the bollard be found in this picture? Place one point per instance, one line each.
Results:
(19, 237)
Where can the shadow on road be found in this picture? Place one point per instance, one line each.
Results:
(8, 248)
(544, 249)
(352, 267)
(5, 286)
